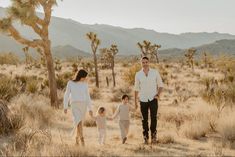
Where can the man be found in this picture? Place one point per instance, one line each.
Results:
(148, 86)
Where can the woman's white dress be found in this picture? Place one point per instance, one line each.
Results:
(77, 95)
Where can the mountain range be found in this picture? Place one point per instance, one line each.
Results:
(69, 37)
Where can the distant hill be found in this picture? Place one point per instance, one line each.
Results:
(219, 47)
(69, 32)
(68, 51)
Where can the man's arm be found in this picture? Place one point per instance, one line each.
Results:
(160, 86)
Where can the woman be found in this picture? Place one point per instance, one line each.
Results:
(78, 96)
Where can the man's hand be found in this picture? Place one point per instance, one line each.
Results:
(65, 111)
(157, 97)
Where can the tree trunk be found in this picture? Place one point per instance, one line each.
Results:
(114, 82)
(107, 81)
(51, 77)
(96, 71)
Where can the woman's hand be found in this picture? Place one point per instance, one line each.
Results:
(91, 113)
(65, 111)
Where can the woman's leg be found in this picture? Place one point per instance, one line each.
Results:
(80, 134)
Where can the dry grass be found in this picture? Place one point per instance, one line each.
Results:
(8, 88)
(166, 138)
(9, 58)
(35, 108)
(226, 127)
(195, 129)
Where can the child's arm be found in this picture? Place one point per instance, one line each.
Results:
(116, 113)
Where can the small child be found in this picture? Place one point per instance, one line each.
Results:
(100, 119)
(124, 120)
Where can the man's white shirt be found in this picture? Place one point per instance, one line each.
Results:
(147, 85)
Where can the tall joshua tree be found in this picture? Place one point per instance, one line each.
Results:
(114, 51)
(25, 12)
(149, 50)
(189, 56)
(108, 56)
(95, 42)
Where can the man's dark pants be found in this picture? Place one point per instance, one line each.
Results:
(153, 107)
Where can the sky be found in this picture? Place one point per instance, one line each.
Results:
(169, 16)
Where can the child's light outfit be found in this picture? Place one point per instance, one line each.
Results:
(77, 95)
(124, 119)
(101, 126)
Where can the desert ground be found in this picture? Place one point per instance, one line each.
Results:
(195, 114)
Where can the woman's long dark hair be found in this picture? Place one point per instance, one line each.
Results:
(80, 74)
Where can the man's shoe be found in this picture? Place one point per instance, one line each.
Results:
(124, 140)
(146, 141)
(77, 141)
(154, 141)
(82, 141)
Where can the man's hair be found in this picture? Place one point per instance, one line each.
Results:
(125, 96)
(145, 58)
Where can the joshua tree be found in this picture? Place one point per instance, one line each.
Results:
(25, 12)
(205, 59)
(189, 55)
(149, 50)
(114, 51)
(108, 55)
(95, 42)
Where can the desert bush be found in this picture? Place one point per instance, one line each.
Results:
(35, 108)
(195, 129)
(4, 121)
(9, 122)
(8, 88)
(129, 75)
(95, 93)
(118, 92)
(61, 82)
(89, 122)
(9, 58)
(166, 138)
(32, 86)
(226, 127)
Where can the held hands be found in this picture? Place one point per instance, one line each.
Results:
(91, 113)
(65, 111)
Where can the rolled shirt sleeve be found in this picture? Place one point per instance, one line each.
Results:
(137, 83)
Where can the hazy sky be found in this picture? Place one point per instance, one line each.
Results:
(172, 16)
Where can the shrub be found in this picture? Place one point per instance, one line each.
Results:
(35, 108)
(9, 122)
(8, 88)
(32, 86)
(95, 93)
(129, 75)
(226, 127)
(195, 129)
(118, 92)
(9, 58)
(166, 138)
(89, 122)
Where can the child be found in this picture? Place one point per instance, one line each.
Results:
(100, 119)
(124, 120)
